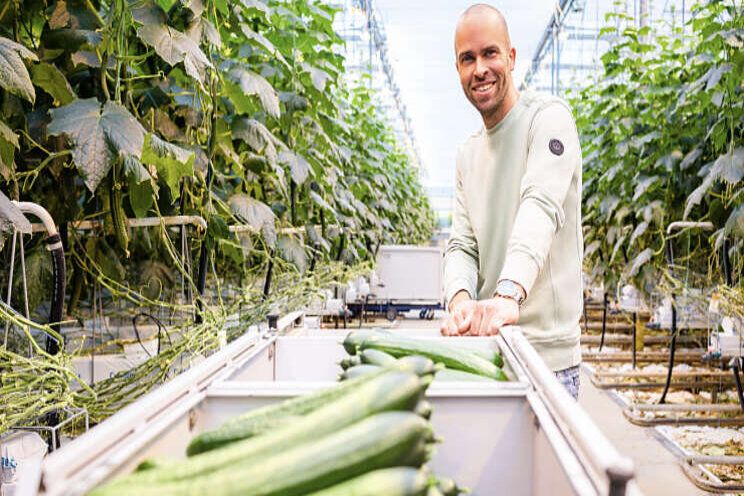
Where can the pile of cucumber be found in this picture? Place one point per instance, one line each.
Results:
(366, 436)
(370, 349)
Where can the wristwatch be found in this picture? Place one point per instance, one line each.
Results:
(509, 289)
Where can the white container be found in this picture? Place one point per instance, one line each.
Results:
(21, 453)
(410, 274)
(524, 437)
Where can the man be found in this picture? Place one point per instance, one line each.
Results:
(514, 256)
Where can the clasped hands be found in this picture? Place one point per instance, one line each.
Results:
(479, 318)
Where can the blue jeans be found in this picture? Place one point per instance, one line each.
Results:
(570, 379)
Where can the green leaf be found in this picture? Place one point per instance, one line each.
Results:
(253, 84)
(639, 261)
(174, 47)
(255, 8)
(203, 31)
(729, 166)
(318, 77)
(638, 232)
(8, 135)
(258, 40)
(13, 74)
(299, 167)
(255, 214)
(149, 12)
(172, 162)
(97, 135)
(257, 136)
(291, 250)
(320, 201)
(735, 223)
(105, 256)
(50, 79)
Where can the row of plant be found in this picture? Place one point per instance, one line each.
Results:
(662, 131)
(234, 112)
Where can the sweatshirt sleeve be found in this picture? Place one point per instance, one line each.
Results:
(553, 159)
(461, 254)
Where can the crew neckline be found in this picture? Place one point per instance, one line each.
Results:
(509, 117)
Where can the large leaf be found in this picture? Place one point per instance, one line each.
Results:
(730, 166)
(171, 162)
(174, 47)
(299, 167)
(73, 25)
(291, 250)
(257, 136)
(97, 135)
(255, 214)
(50, 79)
(13, 74)
(8, 135)
(254, 84)
(316, 239)
(318, 77)
(640, 261)
(638, 232)
(255, 39)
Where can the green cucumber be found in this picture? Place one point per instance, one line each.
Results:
(389, 391)
(376, 357)
(491, 355)
(384, 440)
(398, 481)
(266, 418)
(351, 361)
(358, 371)
(449, 375)
(424, 409)
(356, 338)
(454, 358)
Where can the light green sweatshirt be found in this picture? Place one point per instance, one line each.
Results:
(518, 216)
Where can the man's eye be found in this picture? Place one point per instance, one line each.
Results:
(490, 53)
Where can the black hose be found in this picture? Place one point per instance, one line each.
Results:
(727, 263)
(54, 243)
(673, 344)
(672, 347)
(635, 331)
(735, 369)
(604, 322)
(269, 270)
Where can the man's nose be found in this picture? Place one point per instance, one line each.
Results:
(480, 68)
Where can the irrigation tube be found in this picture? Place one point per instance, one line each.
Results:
(703, 226)
(54, 245)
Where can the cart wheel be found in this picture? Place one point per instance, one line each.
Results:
(430, 314)
(391, 314)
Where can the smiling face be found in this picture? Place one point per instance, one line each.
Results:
(485, 61)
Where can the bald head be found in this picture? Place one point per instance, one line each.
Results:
(486, 13)
(484, 61)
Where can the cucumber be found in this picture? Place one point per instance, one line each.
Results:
(447, 487)
(491, 355)
(452, 357)
(449, 375)
(350, 361)
(356, 338)
(358, 371)
(376, 357)
(384, 440)
(398, 481)
(390, 391)
(424, 409)
(118, 218)
(264, 419)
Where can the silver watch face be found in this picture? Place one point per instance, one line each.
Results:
(510, 290)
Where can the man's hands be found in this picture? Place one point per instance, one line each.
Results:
(479, 318)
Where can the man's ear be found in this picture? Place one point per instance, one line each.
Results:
(512, 58)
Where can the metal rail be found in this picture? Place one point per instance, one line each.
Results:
(175, 220)
(597, 454)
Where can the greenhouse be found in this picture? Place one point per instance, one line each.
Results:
(371, 247)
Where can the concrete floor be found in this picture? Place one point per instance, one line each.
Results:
(657, 469)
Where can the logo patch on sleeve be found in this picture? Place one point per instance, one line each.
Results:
(556, 147)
